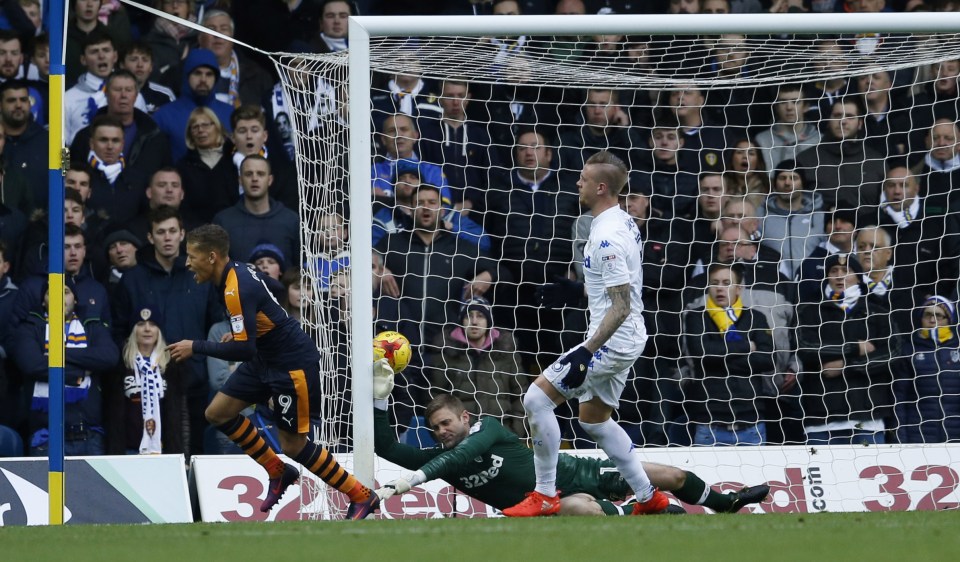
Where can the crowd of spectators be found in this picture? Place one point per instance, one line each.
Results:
(801, 241)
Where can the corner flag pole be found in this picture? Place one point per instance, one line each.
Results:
(57, 25)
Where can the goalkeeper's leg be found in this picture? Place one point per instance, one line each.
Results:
(690, 489)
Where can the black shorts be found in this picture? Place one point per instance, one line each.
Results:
(295, 393)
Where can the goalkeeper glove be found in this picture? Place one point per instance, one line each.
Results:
(562, 292)
(577, 363)
(401, 485)
(382, 379)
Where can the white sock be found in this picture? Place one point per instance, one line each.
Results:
(617, 445)
(545, 434)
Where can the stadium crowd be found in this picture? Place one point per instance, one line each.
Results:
(801, 242)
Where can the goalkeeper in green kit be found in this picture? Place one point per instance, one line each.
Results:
(490, 463)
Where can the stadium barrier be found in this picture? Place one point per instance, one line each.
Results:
(108, 489)
(802, 480)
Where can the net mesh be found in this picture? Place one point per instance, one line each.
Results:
(779, 153)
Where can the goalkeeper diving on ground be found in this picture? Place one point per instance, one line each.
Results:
(505, 473)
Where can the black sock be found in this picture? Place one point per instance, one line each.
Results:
(696, 492)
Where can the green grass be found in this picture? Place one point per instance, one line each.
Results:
(904, 537)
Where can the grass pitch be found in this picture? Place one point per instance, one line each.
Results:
(900, 536)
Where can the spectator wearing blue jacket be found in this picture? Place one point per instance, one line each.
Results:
(399, 136)
(200, 73)
(927, 376)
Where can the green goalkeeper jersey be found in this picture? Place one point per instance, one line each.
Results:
(495, 467)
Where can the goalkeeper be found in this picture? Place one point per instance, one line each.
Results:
(490, 463)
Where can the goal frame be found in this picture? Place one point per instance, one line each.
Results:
(363, 28)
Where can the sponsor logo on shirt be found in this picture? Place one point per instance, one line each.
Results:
(236, 323)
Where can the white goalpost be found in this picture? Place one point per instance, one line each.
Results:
(529, 98)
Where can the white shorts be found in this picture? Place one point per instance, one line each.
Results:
(605, 380)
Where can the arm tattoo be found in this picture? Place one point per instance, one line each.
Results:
(619, 310)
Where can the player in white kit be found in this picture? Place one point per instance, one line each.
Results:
(595, 372)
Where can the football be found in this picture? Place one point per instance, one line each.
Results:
(393, 346)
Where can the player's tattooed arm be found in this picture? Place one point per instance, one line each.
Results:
(619, 310)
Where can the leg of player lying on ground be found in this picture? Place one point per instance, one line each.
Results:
(589, 486)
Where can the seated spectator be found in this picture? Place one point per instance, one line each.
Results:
(433, 270)
(530, 215)
(407, 93)
(927, 377)
(258, 216)
(164, 190)
(702, 231)
(25, 144)
(845, 347)
(11, 68)
(250, 137)
(14, 190)
(399, 216)
(829, 58)
(728, 349)
(9, 381)
(673, 188)
(117, 190)
(334, 250)
(792, 132)
(121, 247)
(269, 260)
(746, 169)
(297, 292)
(939, 172)
(74, 212)
(399, 136)
(170, 41)
(81, 102)
(604, 125)
(334, 26)
(13, 224)
(462, 146)
(145, 148)
(792, 220)
(810, 274)
(154, 411)
(90, 353)
(926, 239)
(200, 72)
(886, 124)
(738, 211)
(477, 362)
(842, 169)
(209, 175)
(90, 295)
(760, 265)
(138, 60)
(703, 133)
(874, 250)
(85, 20)
(938, 99)
(241, 80)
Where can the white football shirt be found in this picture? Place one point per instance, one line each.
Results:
(613, 257)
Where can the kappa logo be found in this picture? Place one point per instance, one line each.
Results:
(604, 244)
